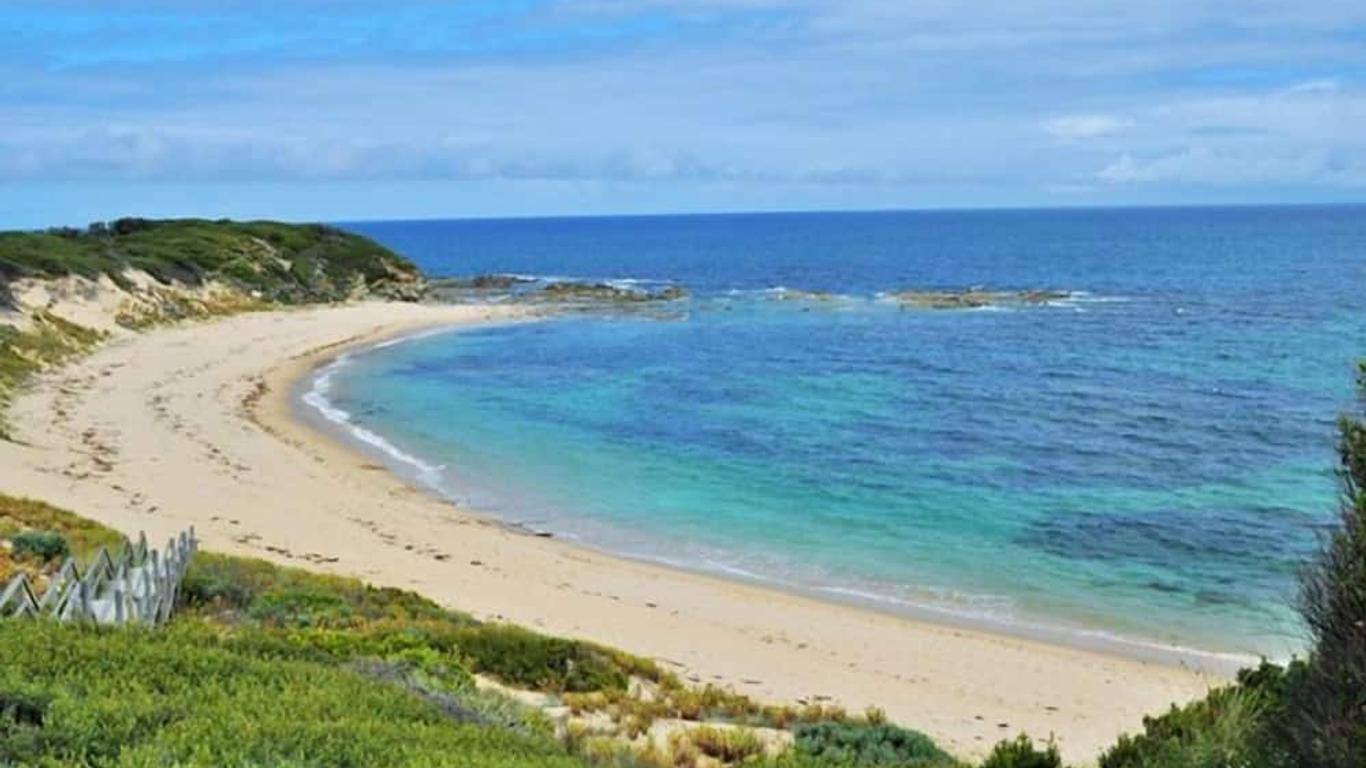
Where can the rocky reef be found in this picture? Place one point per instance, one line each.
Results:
(480, 283)
(973, 298)
(499, 287)
(572, 292)
(791, 294)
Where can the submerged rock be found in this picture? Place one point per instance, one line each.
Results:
(973, 298)
(788, 294)
(482, 282)
(602, 292)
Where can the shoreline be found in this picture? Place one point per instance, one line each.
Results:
(192, 425)
(299, 384)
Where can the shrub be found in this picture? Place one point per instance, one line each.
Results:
(217, 583)
(1223, 730)
(1329, 708)
(729, 745)
(300, 607)
(40, 545)
(871, 745)
(83, 536)
(1021, 753)
(530, 660)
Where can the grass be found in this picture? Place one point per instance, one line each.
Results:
(727, 745)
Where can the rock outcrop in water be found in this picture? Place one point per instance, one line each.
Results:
(483, 287)
(531, 290)
(789, 294)
(487, 282)
(572, 292)
(973, 298)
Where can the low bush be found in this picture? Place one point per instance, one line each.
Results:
(40, 545)
(530, 660)
(343, 618)
(86, 696)
(866, 744)
(22, 518)
(1022, 753)
(1223, 730)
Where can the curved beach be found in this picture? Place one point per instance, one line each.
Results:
(195, 425)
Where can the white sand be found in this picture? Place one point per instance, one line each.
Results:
(192, 425)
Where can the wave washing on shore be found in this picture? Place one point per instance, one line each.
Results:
(1148, 456)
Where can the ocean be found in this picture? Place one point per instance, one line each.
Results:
(1147, 460)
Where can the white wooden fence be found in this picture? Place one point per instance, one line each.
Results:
(136, 585)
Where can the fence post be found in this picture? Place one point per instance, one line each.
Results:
(141, 583)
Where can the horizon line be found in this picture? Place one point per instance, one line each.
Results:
(735, 213)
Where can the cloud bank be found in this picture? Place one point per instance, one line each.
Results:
(891, 103)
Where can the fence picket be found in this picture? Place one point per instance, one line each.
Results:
(138, 584)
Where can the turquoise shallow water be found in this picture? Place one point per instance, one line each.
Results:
(1150, 458)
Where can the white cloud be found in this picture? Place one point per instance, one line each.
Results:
(1321, 85)
(1298, 135)
(1224, 167)
(1040, 95)
(1083, 127)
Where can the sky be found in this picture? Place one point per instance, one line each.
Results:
(340, 110)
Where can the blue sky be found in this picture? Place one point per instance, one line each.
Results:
(306, 109)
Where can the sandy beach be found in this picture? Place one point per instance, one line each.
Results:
(193, 425)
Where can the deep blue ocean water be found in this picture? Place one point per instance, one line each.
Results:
(1149, 459)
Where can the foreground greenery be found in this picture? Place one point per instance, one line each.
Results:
(265, 665)
(270, 666)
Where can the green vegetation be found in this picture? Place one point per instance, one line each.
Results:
(42, 545)
(1233, 726)
(284, 263)
(1022, 753)
(306, 615)
(869, 744)
(729, 745)
(1328, 709)
(182, 696)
